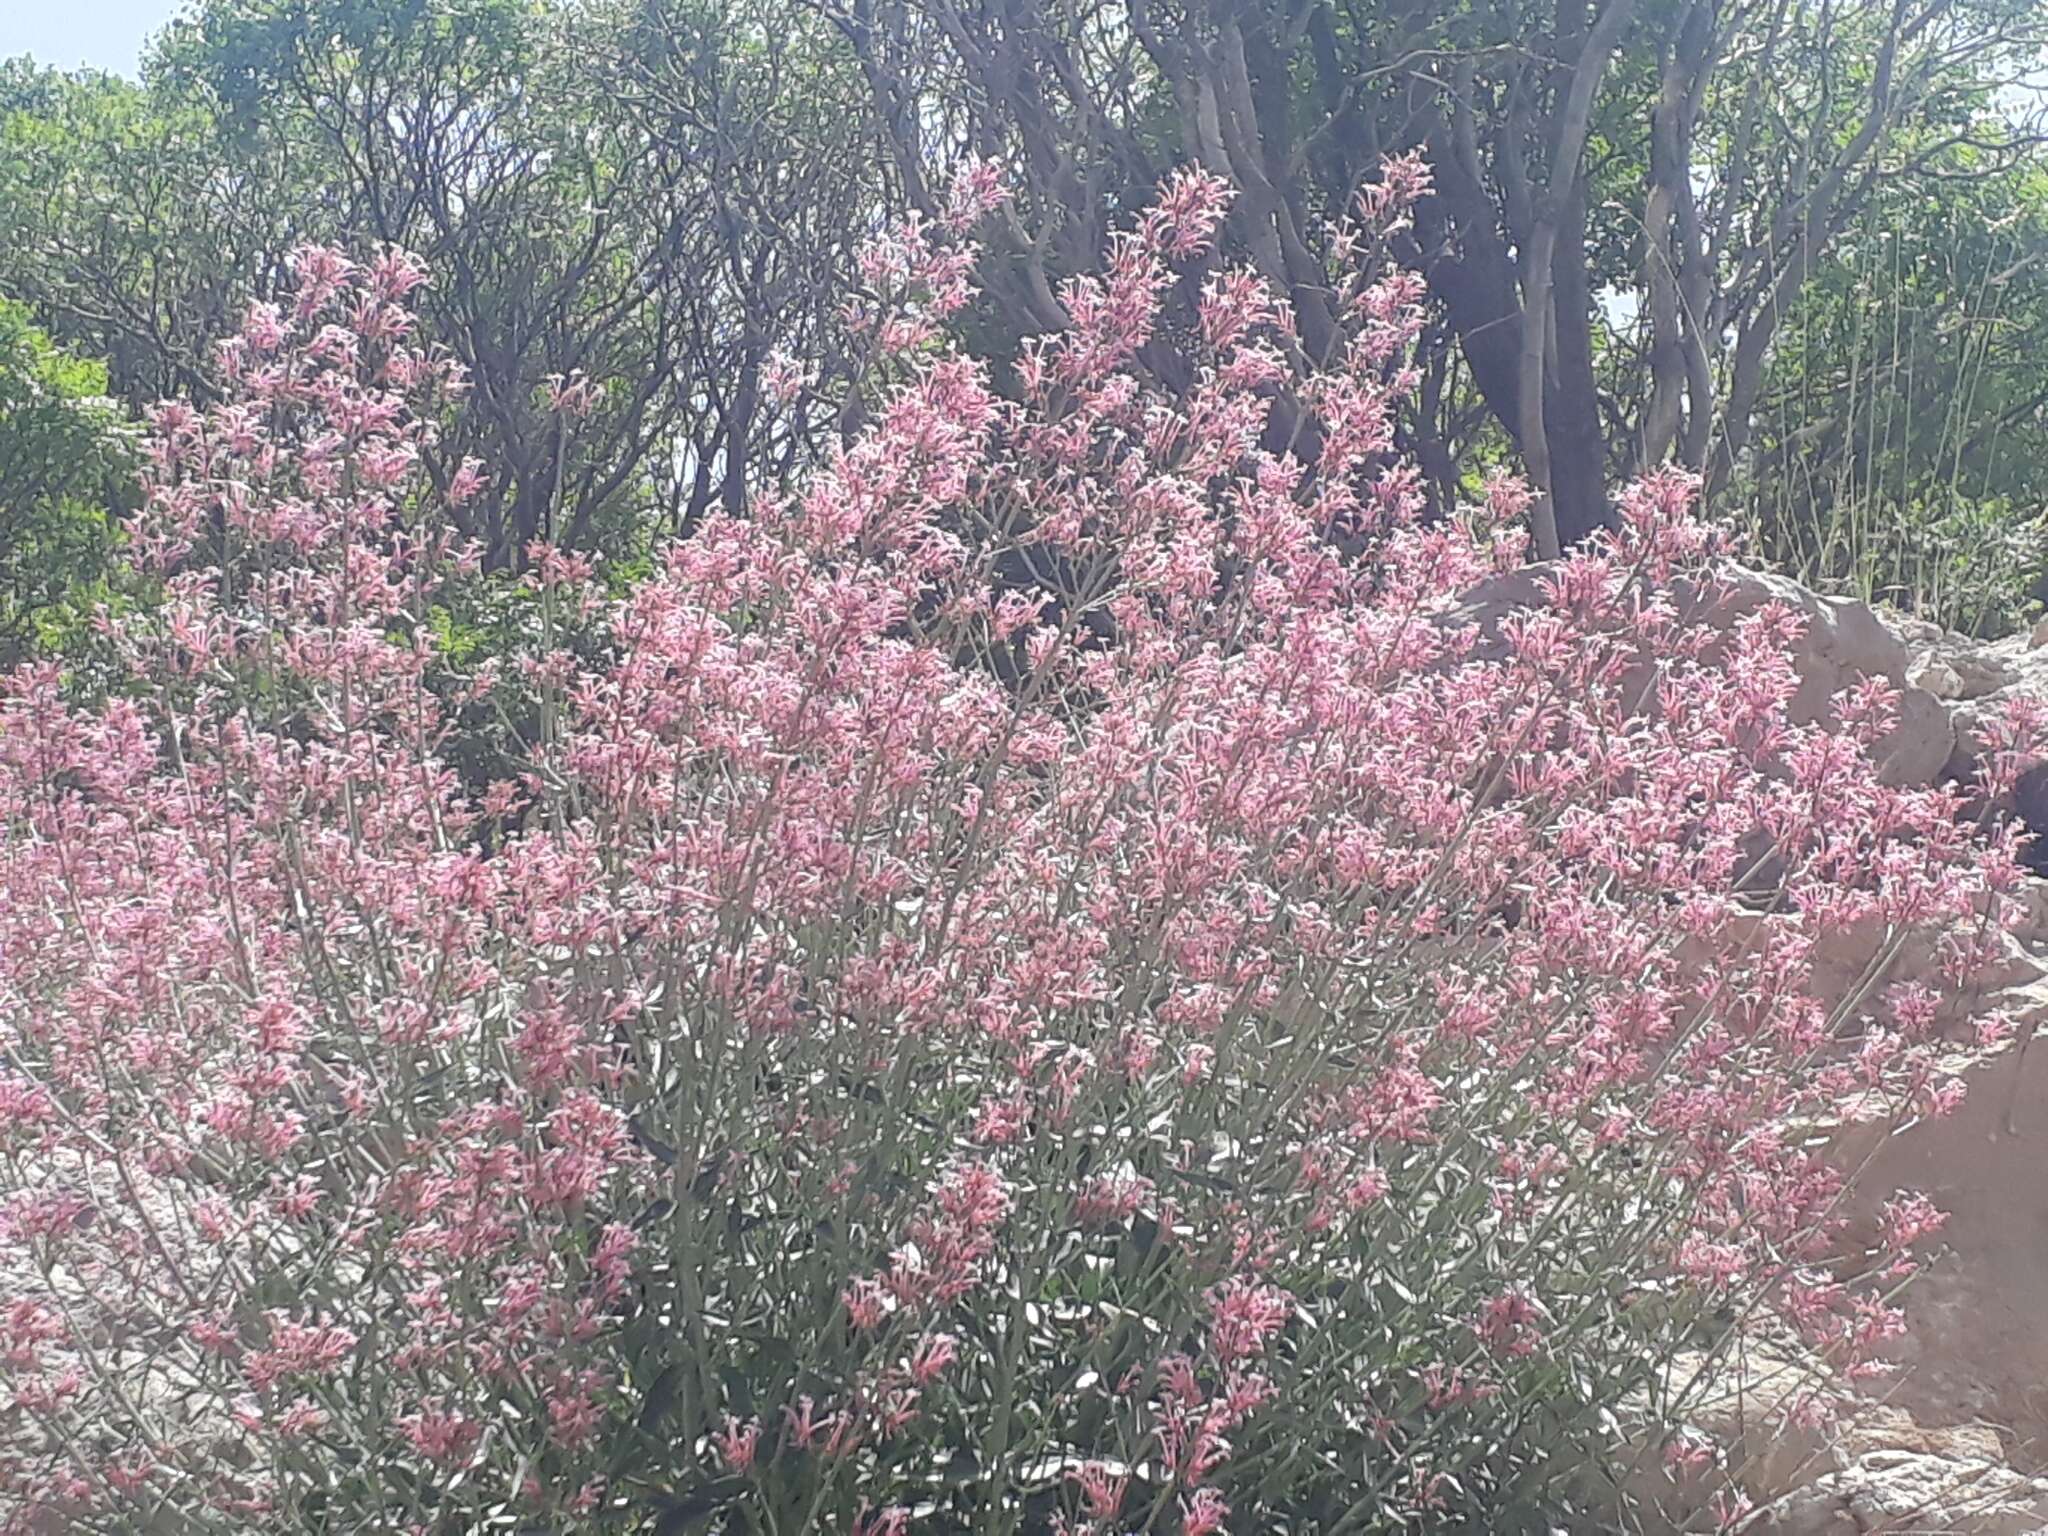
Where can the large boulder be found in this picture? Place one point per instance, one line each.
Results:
(1975, 680)
(1844, 642)
(1881, 1469)
(1886, 1471)
(1953, 1441)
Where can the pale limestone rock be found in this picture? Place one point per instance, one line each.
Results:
(1958, 1440)
(1844, 641)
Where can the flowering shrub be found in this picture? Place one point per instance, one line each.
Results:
(1052, 978)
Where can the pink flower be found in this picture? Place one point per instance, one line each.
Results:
(805, 1427)
(395, 274)
(573, 1411)
(1905, 1220)
(934, 1355)
(1510, 1324)
(1110, 1198)
(1244, 1316)
(572, 395)
(441, 1435)
(783, 378)
(1102, 1491)
(1190, 206)
(1730, 1509)
(1687, 1454)
(976, 191)
(737, 1443)
(263, 329)
(866, 1305)
(1203, 1514)
(893, 1521)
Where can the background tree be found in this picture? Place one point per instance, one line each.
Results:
(1900, 445)
(1635, 200)
(64, 458)
(761, 127)
(132, 226)
(1691, 163)
(650, 197)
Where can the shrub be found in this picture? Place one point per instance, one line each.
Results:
(65, 462)
(1052, 977)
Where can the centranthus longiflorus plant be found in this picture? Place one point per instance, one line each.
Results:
(1050, 976)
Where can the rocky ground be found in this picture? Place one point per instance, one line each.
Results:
(1957, 1439)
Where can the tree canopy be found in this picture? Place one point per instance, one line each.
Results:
(1724, 232)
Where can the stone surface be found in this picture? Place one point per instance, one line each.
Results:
(1844, 641)
(1890, 1473)
(1957, 1439)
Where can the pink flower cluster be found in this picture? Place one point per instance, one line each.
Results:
(1061, 965)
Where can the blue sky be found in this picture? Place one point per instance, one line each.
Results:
(106, 34)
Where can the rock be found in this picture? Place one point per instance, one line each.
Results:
(1956, 1438)
(1971, 669)
(1844, 642)
(1938, 678)
(1962, 1430)
(1892, 1489)
(1951, 686)
(1880, 1469)
(1974, 1351)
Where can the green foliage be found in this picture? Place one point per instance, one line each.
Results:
(132, 234)
(65, 459)
(1902, 448)
(664, 193)
(654, 195)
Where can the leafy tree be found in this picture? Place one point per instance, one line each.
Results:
(1632, 199)
(1902, 431)
(602, 190)
(131, 227)
(64, 459)
(1697, 157)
